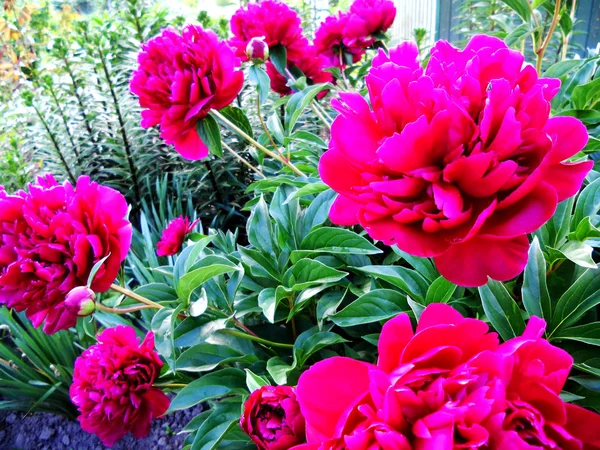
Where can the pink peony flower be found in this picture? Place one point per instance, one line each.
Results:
(311, 65)
(338, 49)
(448, 385)
(273, 20)
(421, 392)
(272, 418)
(535, 415)
(458, 162)
(112, 385)
(174, 235)
(369, 18)
(50, 238)
(180, 79)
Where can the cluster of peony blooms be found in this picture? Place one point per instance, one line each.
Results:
(112, 385)
(173, 236)
(50, 238)
(458, 161)
(448, 385)
(182, 77)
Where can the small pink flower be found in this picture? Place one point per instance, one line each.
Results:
(273, 20)
(174, 236)
(369, 18)
(180, 79)
(272, 418)
(458, 162)
(333, 43)
(112, 386)
(51, 237)
(257, 50)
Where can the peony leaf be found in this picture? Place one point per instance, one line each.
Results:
(259, 77)
(279, 58)
(308, 272)
(501, 310)
(207, 268)
(96, 267)
(239, 118)
(205, 357)
(578, 252)
(521, 7)
(588, 202)
(536, 297)
(374, 306)
(335, 240)
(588, 334)
(581, 296)
(409, 281)
(213, 385)
(210, 133)
(254, 381)
(440, 291)
(260, 228)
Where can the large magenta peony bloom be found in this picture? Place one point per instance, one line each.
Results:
(458, 162)
(273, 20)
(369, 18)
(449, 385)
(333, 43)
(181, 78)
(272, 418)
(174, 235)
(50, 238)
(112, 385)
(310, 64)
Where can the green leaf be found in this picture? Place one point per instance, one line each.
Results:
(308, 272)
(95, 269)
(260, 228)
(198, 307)
(337, 240)
(501, 310)
(588, 202)
(374, 306)
(521, 7)
(588, 334)
(204, 357)
(581, 296)
(561, 68)
(237, 116)
(209, 267)
(197, 248)
(422, 265)
(254, 381)
(222, 419)
(536, 297)
(585, 95)
(213, 385)
(579, 252)
(440, 291)
(309, 138)
(409, 281)
(259, 77)
(278, 369)
(210, 133)
(585, 230)
(298, 102)
(278, 56)
(311, 341)
(317, 213)
(309, 189)
(520, 32)
(268, 301)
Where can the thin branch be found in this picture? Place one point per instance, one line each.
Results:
(242, 160)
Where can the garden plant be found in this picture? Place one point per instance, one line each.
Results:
(326, 239)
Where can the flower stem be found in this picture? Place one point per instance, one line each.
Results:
(540, 51)
(264, 126)
(260, 147)
(134, 296)
(255, 338)
(242, 160)
(101, 307)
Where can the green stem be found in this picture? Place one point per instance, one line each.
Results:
(260, 147)
(264, 126)
(255, 338)
(134, 296)
(242, 160)
(101, 307)
(542, 49)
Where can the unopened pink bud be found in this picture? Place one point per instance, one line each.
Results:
(81, 300)
(257, 50)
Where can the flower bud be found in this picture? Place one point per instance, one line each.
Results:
(80, 300)
(257, 50)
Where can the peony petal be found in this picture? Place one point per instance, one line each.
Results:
(471, 263)
(438, 314)
(567, 178)
(568, 135)
(395, 334)
(525, 216)
(344, 211)
(190, 146)
(584, 425)
(338, 173)
(327, 391)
